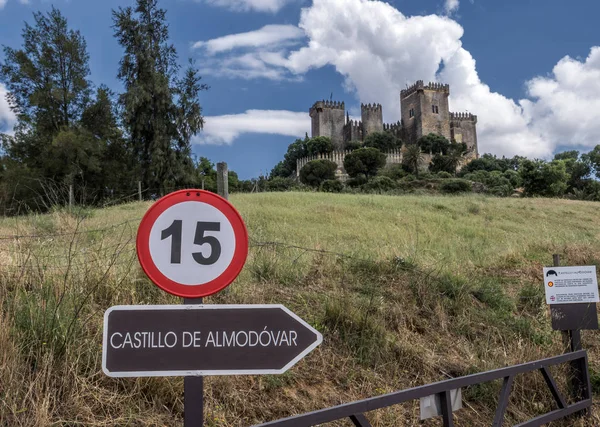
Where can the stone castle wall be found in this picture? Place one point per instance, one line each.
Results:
(424, 110)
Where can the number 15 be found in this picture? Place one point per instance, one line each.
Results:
(175, 231)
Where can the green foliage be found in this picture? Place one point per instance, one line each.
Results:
(353, 145)
(281, 184)
(434, 143)
(299, 149)
(412, 158)
(542, 178)
(490, 163)
(453, 186)
(495, 182)
(383, 141)
(161, 113)
(364, 161)
(319, 145)
(379, 184)
(593, 158)
(332, 186)
(317, 171)
(393, 171)
(444, 175)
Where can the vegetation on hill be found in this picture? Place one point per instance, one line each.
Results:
(406, 290)
(570, 174)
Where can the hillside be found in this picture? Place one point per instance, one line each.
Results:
(406, 290)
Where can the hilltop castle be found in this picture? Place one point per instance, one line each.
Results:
(424, 110)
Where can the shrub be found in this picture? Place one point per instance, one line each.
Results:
(317, 171)
(357, 181)
(383, 141)
(444, 175)
(379, 184)
(453, 186)
(364, 161)
(332, 186)
(281, 184)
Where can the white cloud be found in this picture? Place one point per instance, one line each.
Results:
(269, 35)
(248, 5)
(7, 118)
(451, 6)
(225, 129)
(2, 4)
(379, 51)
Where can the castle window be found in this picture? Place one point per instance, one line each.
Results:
(411, 113)
(434, 109)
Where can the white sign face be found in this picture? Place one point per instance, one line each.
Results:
(192, 243)
(569, 285)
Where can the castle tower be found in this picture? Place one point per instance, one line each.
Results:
(463, 128)
(425, 110)
(372, 118)
(327, 119)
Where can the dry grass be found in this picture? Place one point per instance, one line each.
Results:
(406, 290)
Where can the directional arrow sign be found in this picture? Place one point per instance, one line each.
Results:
(183, 340)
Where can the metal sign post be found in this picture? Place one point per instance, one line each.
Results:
(193, 391)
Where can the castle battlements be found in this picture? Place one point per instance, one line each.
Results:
(334, 105)
(424, 109)
(369, 107)
(419, 85)
(463, 117)
(392, 127)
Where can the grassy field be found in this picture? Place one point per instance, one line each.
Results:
(405, 289)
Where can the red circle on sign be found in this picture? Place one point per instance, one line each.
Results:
(202, 289)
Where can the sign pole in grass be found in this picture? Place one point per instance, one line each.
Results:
(193, 392)
(192, 244)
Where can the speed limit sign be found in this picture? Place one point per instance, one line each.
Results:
(192, 243)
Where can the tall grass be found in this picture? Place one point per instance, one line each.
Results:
(406, 290)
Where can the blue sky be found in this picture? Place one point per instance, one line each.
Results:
(529, 69)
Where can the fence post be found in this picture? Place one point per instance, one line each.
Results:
(222, 180)
(140, 190)
(71, 197)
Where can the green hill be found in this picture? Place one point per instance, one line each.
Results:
(406, 290)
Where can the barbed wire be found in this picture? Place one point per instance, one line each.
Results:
(72, 233)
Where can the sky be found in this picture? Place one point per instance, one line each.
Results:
(529, 69)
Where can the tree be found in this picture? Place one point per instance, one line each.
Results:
(540, 178)
(412, 158)
(319, 145)
(593, 159)
(353, 145)
(434, 143)
(383, 141)
(47, 85)
(314, 173)
(364, 161)
(160, 113)
(296, 150)
(450, 161)
(578, 170)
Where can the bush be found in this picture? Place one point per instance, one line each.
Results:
(383, 141)
(281, 184)
(453, 186)
(357, 181)
(444, 175)
(332, 186)
(364, 161)
(380, 184)
(317, 171)
(394, 171)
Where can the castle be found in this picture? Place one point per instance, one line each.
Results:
(424, 110)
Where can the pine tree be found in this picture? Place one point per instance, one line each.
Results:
(160, 113)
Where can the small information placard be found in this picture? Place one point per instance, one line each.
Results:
(571, 285)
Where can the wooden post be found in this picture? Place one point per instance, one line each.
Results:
(222, 180)
(71, 197)
(140, 190)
